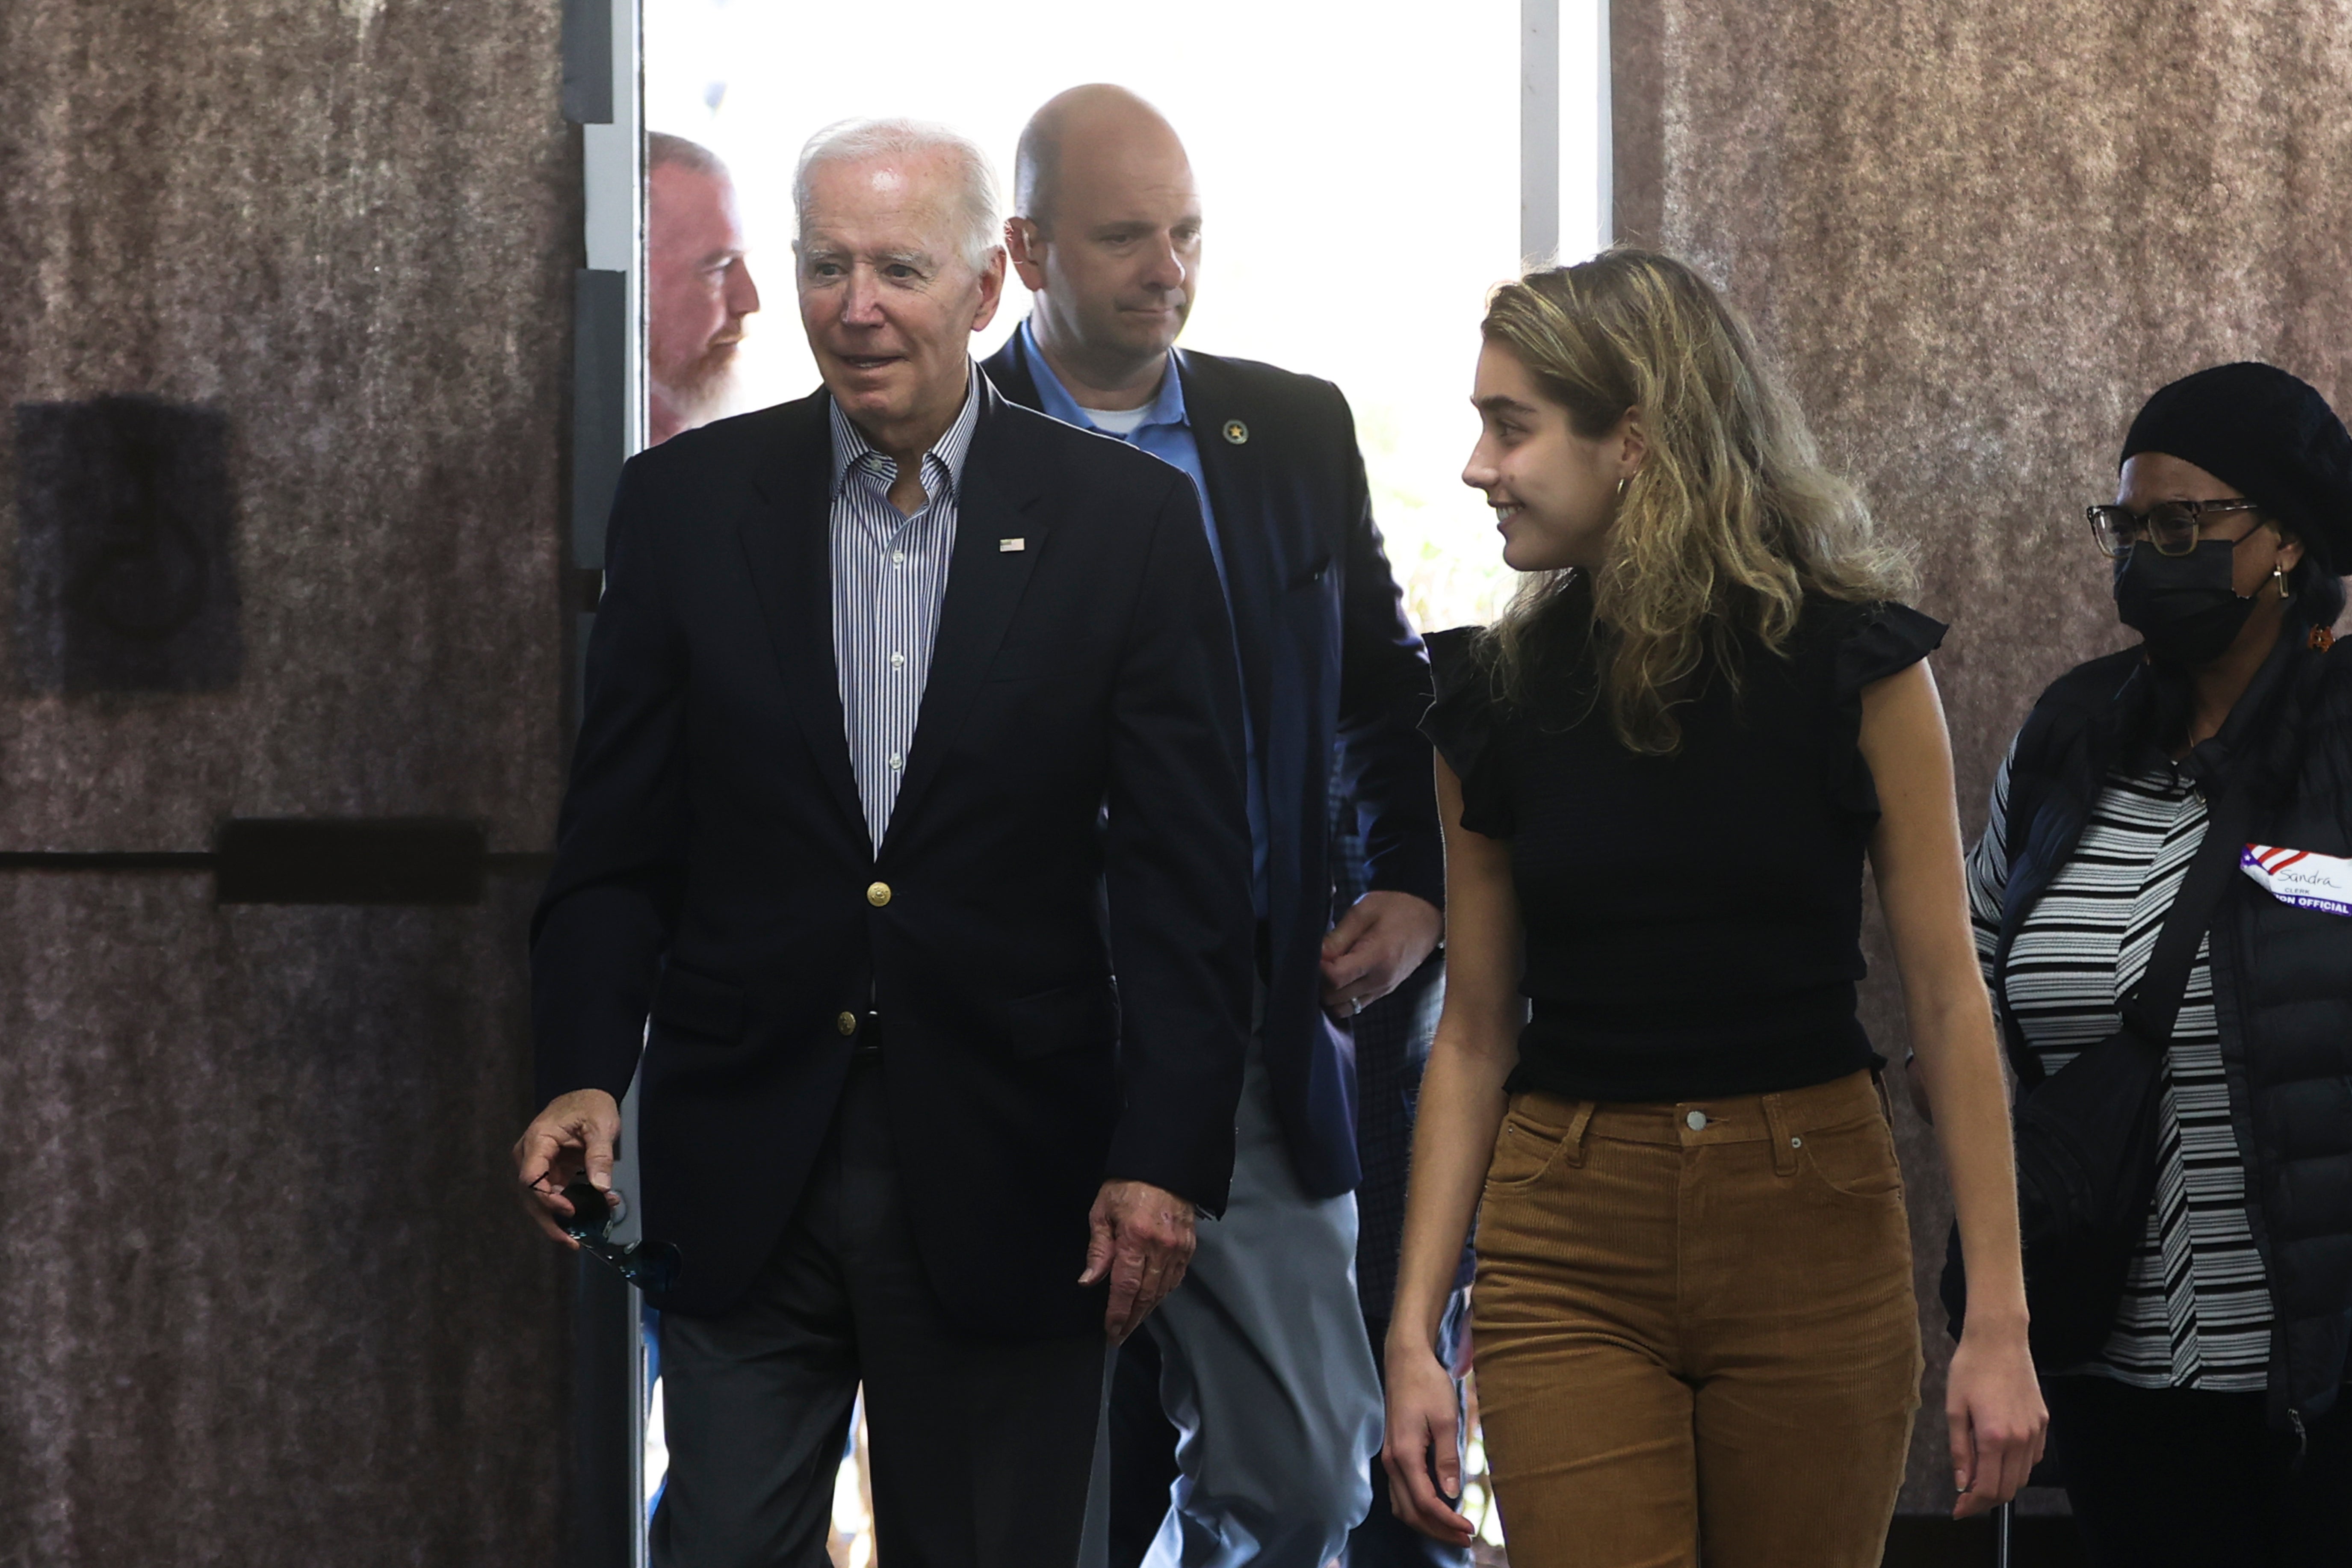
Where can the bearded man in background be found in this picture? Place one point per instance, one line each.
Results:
(698, 287)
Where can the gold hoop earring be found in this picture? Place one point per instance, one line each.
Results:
(2278, 575)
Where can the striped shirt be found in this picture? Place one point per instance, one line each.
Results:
(2196, 1310)
(889, 577)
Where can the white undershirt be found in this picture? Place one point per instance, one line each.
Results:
(1115, 421)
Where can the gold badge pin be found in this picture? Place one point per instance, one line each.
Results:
(1236, 432)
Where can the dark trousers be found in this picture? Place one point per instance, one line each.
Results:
(1142, 1452)
(2174, 1476)
(981, 1449)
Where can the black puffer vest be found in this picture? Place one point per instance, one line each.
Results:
(2282, 976)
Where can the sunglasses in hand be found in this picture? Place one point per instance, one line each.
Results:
(649, 1266)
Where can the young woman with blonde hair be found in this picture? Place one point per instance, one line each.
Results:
(1660, 774)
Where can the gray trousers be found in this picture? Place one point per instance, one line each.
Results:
(1266, 1370)
(981, 1449)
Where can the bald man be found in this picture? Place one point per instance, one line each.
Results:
(698, 287)
(1266, 1366)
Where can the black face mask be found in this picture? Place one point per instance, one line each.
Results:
(2183, 605)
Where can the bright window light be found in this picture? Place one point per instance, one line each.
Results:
(1358, 163)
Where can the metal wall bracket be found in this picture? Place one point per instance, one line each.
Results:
(588, 61)
(600, 404)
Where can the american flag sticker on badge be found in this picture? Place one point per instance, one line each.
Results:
(2300, 877)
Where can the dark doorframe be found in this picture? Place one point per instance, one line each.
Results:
(604, 1463)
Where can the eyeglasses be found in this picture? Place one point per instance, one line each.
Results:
(649, 1266)
(2172, 526)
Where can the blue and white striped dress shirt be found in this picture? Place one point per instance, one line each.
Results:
(889, 577)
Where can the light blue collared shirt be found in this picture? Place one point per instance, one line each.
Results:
(889, 579)
(1167, 434)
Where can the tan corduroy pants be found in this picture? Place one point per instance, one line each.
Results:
(1694, 1331)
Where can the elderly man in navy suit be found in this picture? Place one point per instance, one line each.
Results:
(909, 805)
(1266, 1368)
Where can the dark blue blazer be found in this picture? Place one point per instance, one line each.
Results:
(1061, 961)
(1328, 663)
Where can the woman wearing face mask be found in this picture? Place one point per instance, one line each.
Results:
(1660, 774)
(2197, 1416)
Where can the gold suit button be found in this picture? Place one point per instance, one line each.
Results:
(846, 1023)
(878, 894)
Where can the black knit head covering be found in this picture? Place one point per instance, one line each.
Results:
(2271, 437)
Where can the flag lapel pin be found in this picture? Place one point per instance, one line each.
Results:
(1007, 546)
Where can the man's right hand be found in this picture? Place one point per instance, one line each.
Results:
(1142, 1238)
(575, 1132)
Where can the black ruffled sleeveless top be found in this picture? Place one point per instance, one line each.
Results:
(1693, 922)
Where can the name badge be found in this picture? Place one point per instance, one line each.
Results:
(2300, 877)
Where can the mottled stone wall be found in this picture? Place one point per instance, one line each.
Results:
(1975, 237)
(264, 1298)
(266, 1301)
(349, 228)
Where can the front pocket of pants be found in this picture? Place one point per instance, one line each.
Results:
(1524, 1152)
(1854, 1163)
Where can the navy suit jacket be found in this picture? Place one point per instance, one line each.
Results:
(1055, 931)
(1329, 664)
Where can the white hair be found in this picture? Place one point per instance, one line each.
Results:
(976, 211)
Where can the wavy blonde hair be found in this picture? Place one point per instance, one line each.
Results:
(1731, 522)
